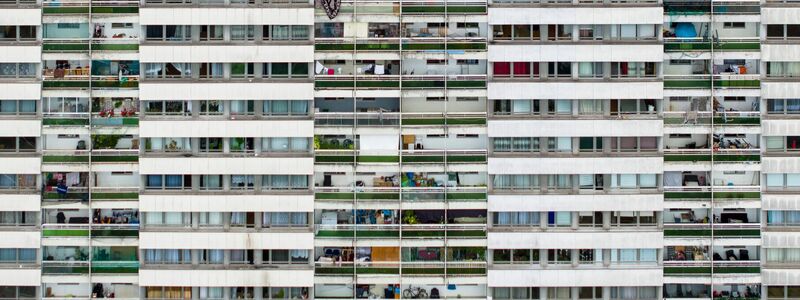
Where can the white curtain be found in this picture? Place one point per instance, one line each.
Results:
(173, 218)
(521, 106)
(299, 144)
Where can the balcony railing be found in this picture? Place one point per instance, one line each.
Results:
(739, 118)
(115, 193)
(410, 194)
(66, 230)
(395, 44)
(394, 118)
(115, 267)
(693, 268)
(65, 267)
(415, 231)
(408, 156)
(704, 81)
(72, 7)
(97, 156)
(407, 268)
(744, 230)
(720, 155)
(704, 44)
(397, 81)
(417, 7)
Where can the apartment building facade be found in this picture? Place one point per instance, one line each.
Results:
(471, 149)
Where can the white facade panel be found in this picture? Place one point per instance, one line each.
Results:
(576, 53)
(780, 90)
(227, 278)
(21, 165)
(227, 165)
(780, 52)
(227, 91)
(576, 90)
(780, 127)
(575, 239)
(226, 240)
(20, 128)
(20, 202)
(780, 164)
(574, 128)
(576, 15)
(780, 15)
(227, 203)
(226, 16)
(20, 239)
(224, 128)
(571, 278)
(576, 165)
(226, 53)
(22, 91)
(21, 16)
(21, 277)
(599, 202)
(21, 54)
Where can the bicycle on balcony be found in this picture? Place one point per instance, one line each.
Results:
(415, 293)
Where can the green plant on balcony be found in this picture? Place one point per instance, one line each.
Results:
(333, 144)
(105, 141)
(410, 218)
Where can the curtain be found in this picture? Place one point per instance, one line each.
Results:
(173, 181)
(173, 218)
(627, 255)
(211, 218)
(647, 255)
(238, 218)
(155, 218)
(791, 255)
(279, 144)
(299, 107)
(522, 68)
(522, 144)
(793, 180)
(299, 144)
(280, 106)
(520, 106)
(775, 180)
(563, 107)
(216, 257)
(279, 218)
(502, 144)
(280, 32)
(647, 180)
(299, 181)
(299, 32)
(501, 68)
(211, 293)
(564, 144)
(563, 218)
(590, 106)
(299, 218)
(503, 218)
(775, 217)
(171, 256)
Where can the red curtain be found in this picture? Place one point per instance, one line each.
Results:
(502, 68)
(522, 68)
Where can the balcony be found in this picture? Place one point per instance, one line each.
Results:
(115, 193)
(408, 194)
(65, 267)
(686, 230)
(395, 81)
(720, 155)
(404, 231)
(407, 268)
(72, 7)
(115, 267)
(725, 118)
(115, 230)
(704, 81)
(66, 230)
(674, 268)
(406, 157)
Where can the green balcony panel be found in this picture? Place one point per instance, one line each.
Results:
(737, 232)
(334, 47)
(115, 159)
(115, 196)
(707, 157)
(65, 84)
(68, 196)
(115, 121)
(423, 159)
(442, 46)
(48, 47)
(707, 232)
(466, 196)
(82, 269)
(737, 195)
(378, 159)
(115, 47)
(687, 270)
(361, 233)
(735, 157)
(67, 10)
(360, 84)
(688, 195)
(115, 10)
(65, 159)
(126, 232)
(731, 270)
(65, 232)
(115, 84)
(441, 9)
(687, 232)
(378, 196)
(737, 121)
(450, 271)
(334, 159)
(737, 46)
(334, 270)
(450, 121)
(466, 158)
(687, 84)
(726, 83)
(686, 46)
(115, 267)
(65, 122)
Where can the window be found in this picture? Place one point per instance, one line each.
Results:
(559, 144)
(17, 255)
(783, 69)
(243, 107)
(168, 182)
(212, 256)
(515, 182)
(18, 70)
(559, 69)
(559, 256)
(243, 32)
(211, 107)
(633, 69)
(783, 106)
(515, 292)
(18, 107)
(732, 24)
(17, 33)
(515, 144)
(516, 218)
(211, 32)
(590, 70)
(243, 70)
(284, 182)
(17, 144)
(590, 144)
(779, 181)
(208, 145)
(167, 256)
(285, 144)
